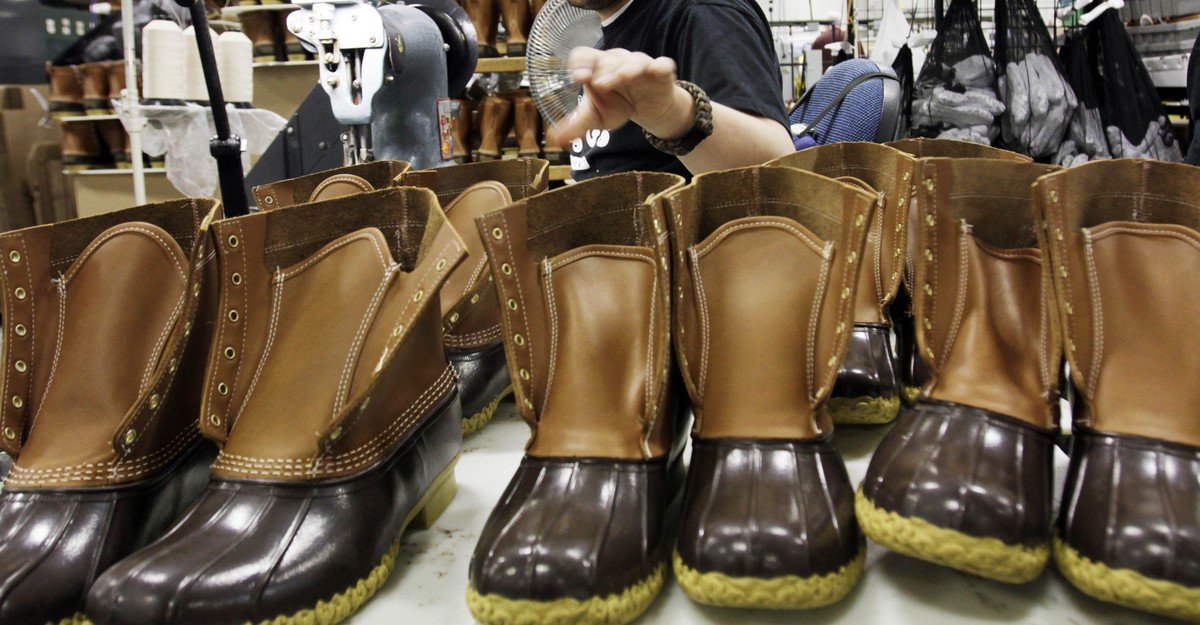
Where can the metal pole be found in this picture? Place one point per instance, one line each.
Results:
(131, 104)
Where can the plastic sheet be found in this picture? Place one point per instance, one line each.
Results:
(183, 135)
(955, 94)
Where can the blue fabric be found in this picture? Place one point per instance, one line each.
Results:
(857, 117)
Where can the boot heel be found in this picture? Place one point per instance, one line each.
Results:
(437, 498)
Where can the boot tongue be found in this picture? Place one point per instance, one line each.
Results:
(114, 306)
(340, 186)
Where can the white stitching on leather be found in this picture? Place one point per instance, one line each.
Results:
(89, 470)
(704, 329)
(815, 244)
(524, 319)
(276, 304)
(468, 340)
(1136, 231)
(62, 314)
(814, 319)
(91, 248)
(548, 279)
(356, 345)
(294, 243)
(1098, 323)
(960, 295)
(291, 273)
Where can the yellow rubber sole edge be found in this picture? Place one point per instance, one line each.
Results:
(476, 421)
(985, 557)
(863, 410)
(78, 619)
(911, 393)
(1127, 587)
(339, 607)
(790, 592)
(614, 609)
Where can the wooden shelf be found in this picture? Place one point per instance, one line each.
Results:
(233, 12)
(87, 118)
(560, 172)
(500, 64)
(286, 63)
(112, 172)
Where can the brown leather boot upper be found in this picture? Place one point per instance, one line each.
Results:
(93, 78)
(66, 93)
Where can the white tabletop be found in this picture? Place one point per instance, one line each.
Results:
(430, 580)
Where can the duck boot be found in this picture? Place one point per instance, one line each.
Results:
(913, 372)
(482, 14)
(334, 407)
(81, 147)
(260, 27)
(292, 48)
(578, 535)
(461, 127)
(107, 321)
(1124, 242)
(964, 478)
(115, 72)
(550, 150)
(765, 272)
(867, 390)
(526, 123)
(66, 93)
(470, 308)
(93, 78)
(495, 122)
(117, 142)
(517, 20)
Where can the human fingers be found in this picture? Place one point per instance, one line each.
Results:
(584, 118)
(581, 63)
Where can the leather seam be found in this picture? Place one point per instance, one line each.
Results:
(91, 248)
(467, 340)
(521, 390)
(702, 297)
(705, 249)
(350, 459)
(360, 336)
(1098, 323)
(291, 273)
(276, 305)
(553, 310)
(85, 471)
(62, 314)
(960, 296)
(1135, 231)
(294, 243)
(879, 239)
(814, 320)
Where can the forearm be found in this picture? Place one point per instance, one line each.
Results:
(738, 139)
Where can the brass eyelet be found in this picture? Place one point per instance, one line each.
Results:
(155, 400)
(506, 269)
(929, 184)
(1062, 270)
(1053, 196)
(657, 227)
(17, 402)
(214, 420)
(529, 404)
(233, 240)
(929, 220)
(853, 256)
(1070, 309)
(20, 293)
(14, 256)
(928, 254)
(223, 388)
(518, 339)
(172, 365)
(10, 434)
(497, 234)
(196, 290)
(475, 298)
(130, 436)
(236, 279)
(858, 221)
(928, 289)
(21, 366)
(230, 353)
(512, 304)
(233, 316)
(441, 264)
(396, 331)
(418, 295)
(524, 374)
(335, 434)
(454, 318)
(846, 293)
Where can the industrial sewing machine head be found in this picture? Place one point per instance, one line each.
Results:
(389, 70)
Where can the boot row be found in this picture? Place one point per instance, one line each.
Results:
(481, 129)
(86, 89)
(516, 15)
(232, 413)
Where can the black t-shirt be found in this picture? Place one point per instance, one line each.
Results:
(724, 46)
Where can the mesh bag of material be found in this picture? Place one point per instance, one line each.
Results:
(1135, 122)
(903, 66)
(955, 95)
(1038, 100)
(1085, 139)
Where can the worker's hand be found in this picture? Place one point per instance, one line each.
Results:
(621, 86)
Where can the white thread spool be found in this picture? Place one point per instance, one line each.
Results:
(235, 63)
(162, 61)
(193, 71)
